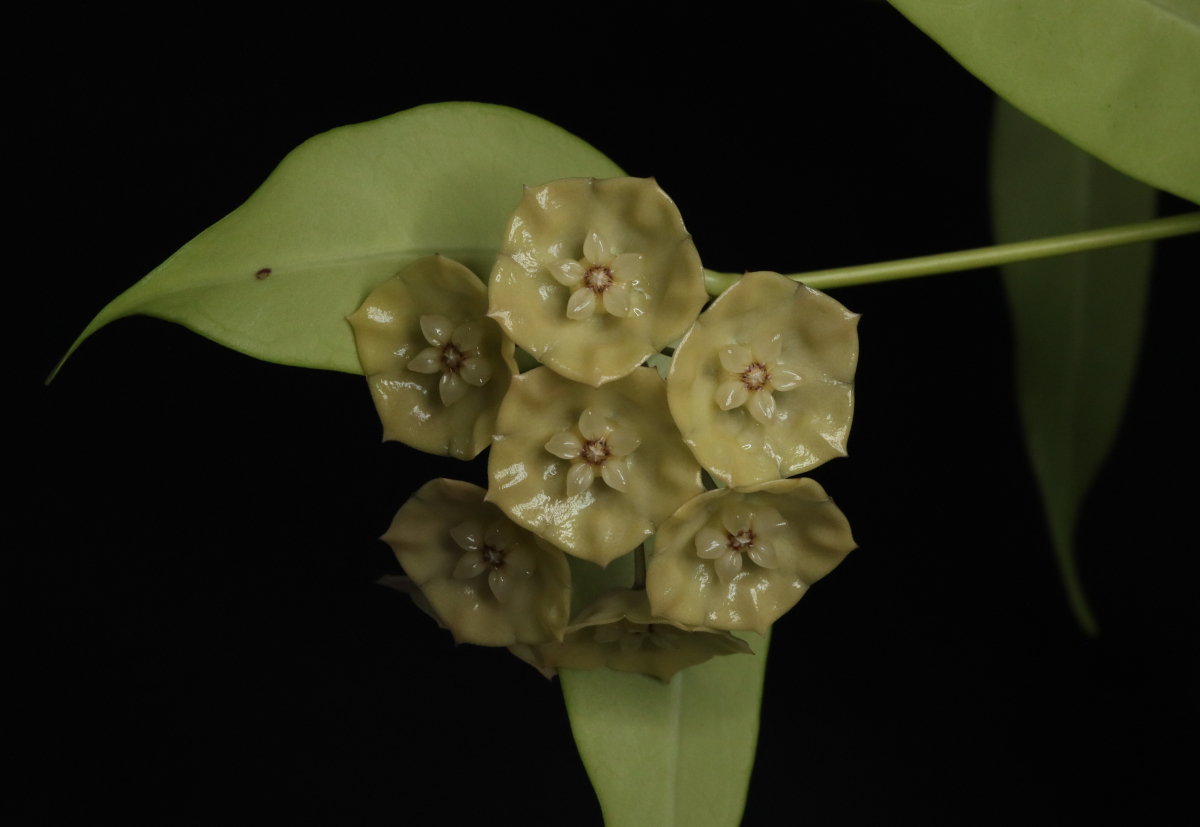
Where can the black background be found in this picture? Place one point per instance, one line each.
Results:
(195, 530)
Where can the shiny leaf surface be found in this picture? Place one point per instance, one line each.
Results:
(1077, 319)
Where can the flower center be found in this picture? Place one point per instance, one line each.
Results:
(597, 278)
(453, 358)
(755, 376)
(741, 541)
(494, 557)
(595, 451)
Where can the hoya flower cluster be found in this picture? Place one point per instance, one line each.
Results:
(593, 452)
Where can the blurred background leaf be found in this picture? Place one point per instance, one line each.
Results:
(1077, 319)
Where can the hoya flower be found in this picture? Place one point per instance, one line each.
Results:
(744, 532)
(762, 386)
(436, 364)
(619, 631)
(594, 448)
(591, 470)
(593, 276)
(486, 580)
(739, 559)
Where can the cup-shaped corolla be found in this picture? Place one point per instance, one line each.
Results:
(593, 276)
(436, 364)
(591, 470)
(762, 386)
(619, 631)
(739, 559)
(488, 581)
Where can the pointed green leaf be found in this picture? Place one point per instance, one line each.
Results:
(1078, 319)
(1119, 78)
(670, 755)
(344, 211)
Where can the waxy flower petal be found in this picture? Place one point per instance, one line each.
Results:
(436, 365)
(762, 386)
(594, 276)
(699, 574)
(559, 497)
(488, 581)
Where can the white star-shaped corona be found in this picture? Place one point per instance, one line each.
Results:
(600, 279)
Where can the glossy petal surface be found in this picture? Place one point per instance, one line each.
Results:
(530, 483)
(536, 607)
(811, 422)
(388, 329)
(686, 588)
(553, 222)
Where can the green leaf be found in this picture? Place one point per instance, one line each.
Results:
(661, 755)
(1078, 319)
(664, 754)
(1118, 78)
(343, 212)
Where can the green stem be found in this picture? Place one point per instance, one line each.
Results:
(908, 268)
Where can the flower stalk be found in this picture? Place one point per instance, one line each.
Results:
(994, 256)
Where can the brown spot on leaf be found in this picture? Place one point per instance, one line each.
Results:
(263, 273)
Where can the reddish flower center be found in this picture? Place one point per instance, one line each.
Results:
(452, 358)
(595, 451)
(494, 557)
(741, 541)
(598, 278)
(755, 376)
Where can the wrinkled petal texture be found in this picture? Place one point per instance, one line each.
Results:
(785, 432)
(389, 334)
(661, 297)
(531, 484)
(683, 586)
(536, 607)
(601, 636)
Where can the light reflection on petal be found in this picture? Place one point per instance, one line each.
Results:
(452, 388)
(581, 305)
(768, 353)
(728, 566)
(731, 394)
(623, 442)
(437, 329)
(468, 535)
(762, 406)
(502, 585)
(783, 379)
(711, 542)
(566, 272)
(579, 479)
(615, 473)
(616, 301)
(476, 371)
(428, 360)
(565, 445)
(596, 249)
(592, 424)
